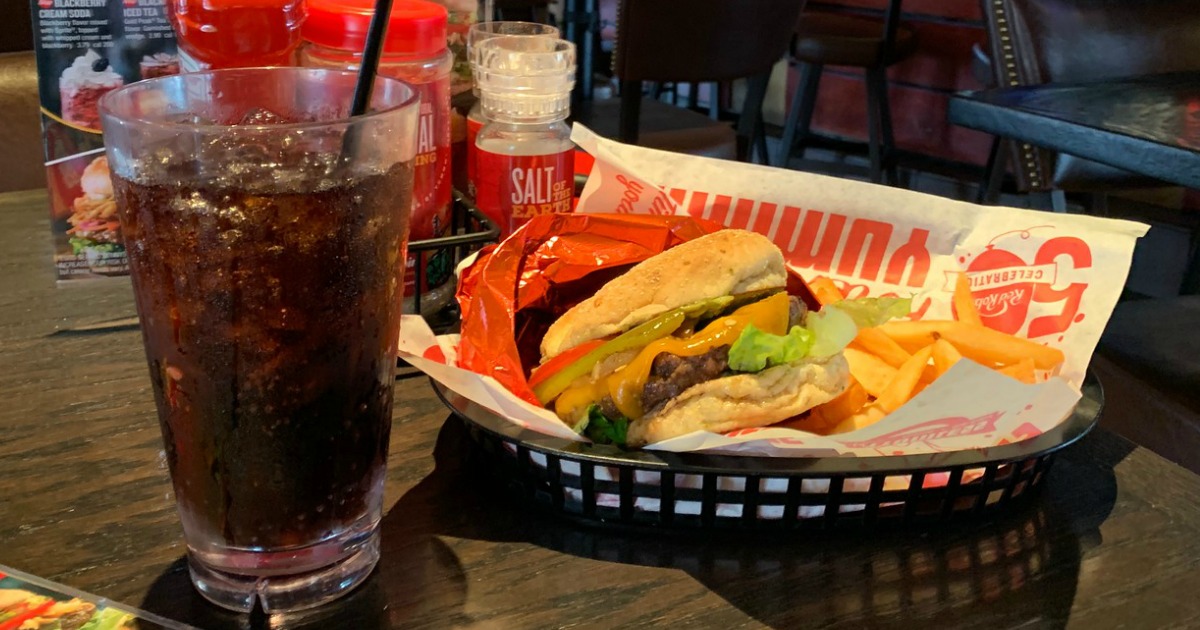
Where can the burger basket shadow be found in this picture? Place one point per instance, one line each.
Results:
(609, 486)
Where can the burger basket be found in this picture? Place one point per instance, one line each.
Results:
(606, 485)
(919, 478)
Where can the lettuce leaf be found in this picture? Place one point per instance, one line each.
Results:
(824, 334)
(832, 328)
(109, 619)
(79, 244)
(871, 312)
(756, 350)
(601, 429)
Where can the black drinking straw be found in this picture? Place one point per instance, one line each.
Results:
(366, 76)
(376, 31)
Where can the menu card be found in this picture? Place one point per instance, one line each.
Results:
(85, 49)
(31, 603)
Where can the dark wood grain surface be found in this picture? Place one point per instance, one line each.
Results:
(1114, 541)
(1148, 125)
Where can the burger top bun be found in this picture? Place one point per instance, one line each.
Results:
(723, 263)
(743, 401)
(96, 182)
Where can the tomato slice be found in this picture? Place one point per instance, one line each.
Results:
(636, 337)
(25, 614)
(549, 368)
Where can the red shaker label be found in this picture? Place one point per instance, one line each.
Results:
(515, 188)
(473, 127)
(431, 168)
(431, 183)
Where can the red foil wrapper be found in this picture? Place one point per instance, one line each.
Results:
(516, 289)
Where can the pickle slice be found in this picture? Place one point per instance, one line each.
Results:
(641, 336)
(633, 338)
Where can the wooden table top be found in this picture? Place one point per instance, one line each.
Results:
(1113, 541)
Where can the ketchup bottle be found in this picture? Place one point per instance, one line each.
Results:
(236, 33)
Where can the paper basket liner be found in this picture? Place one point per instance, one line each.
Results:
(1053, 278)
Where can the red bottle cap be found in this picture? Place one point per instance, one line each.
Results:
(416, 28)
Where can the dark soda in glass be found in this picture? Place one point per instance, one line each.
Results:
(267, 321)
(267, 256)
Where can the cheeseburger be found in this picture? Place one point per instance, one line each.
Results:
(93, 219)
(700, 337)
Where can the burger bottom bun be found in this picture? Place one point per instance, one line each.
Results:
(745, 400)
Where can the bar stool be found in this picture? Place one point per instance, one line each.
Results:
(690, 42)
(830, 39)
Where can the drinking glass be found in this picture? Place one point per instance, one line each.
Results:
(266, 231)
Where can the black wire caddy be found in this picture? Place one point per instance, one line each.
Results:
(470, 229)
(609, 486)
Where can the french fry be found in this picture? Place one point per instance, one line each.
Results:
(928, 376)
(964, 303)
(869, 370)
(825, 290)
(912, 336)
(893, 362)
(991, 347)
(840, 408)
(1021, 370)
(905, 382)
(978, 343)
(945, 355)
(864, 418)
(882, 346)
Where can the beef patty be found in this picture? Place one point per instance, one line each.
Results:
(671, 375)
(797, 309)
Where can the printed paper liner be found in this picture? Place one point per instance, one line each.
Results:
(1054, 278)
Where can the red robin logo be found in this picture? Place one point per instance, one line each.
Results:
(1004, 285)
(1003, 305)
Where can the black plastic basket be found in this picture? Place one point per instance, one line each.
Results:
(607, 485)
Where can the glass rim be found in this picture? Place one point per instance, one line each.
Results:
(108, 113)
(482, 28)
(512, 43)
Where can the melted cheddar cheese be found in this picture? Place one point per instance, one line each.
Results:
(625, 385)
